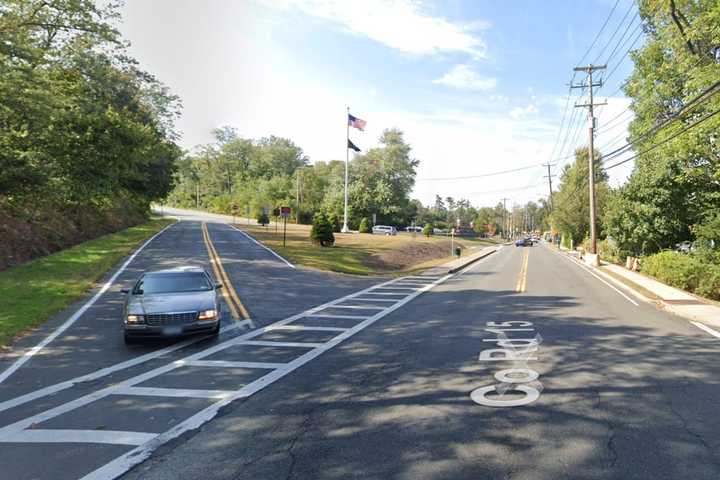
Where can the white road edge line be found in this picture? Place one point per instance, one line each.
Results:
(263, 246)
(587, 269)
(174, 392)
(78, 313)
(709, 330)
(123, 463)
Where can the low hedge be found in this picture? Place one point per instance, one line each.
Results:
(684, 271)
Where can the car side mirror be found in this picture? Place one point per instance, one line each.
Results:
(125, 290)
(218, 286)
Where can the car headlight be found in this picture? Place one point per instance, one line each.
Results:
(207, 315)
(134, 319)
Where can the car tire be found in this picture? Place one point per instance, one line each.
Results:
(129, 340)
(215, 331)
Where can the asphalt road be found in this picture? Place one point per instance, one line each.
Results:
(398, 381)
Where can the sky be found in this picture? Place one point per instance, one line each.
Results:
(476, 86)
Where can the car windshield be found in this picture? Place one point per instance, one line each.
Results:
(175, 282)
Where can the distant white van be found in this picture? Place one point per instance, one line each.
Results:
(384, 230)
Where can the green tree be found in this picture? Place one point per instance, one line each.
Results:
(365, 225)
(321, 232)
(676, 184)
(428, 229)
(572, 209)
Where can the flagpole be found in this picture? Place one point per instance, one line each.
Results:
(345, 228)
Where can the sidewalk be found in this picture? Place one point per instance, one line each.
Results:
(669, 298)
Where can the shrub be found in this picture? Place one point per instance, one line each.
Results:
(334, 222)
(709, 285)
(428, 229)
(609, 251)
(674, 268)
(365, 226)
(321, 232)
(262, 218)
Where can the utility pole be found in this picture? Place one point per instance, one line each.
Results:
(345, 228)
(549, 177)
(505, 223)
(591, 149)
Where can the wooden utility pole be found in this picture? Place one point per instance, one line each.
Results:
(591, 148)
(505, 222)
(549, 177)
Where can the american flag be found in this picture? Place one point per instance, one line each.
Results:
(356, 122)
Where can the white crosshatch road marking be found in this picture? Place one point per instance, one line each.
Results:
(29, 430)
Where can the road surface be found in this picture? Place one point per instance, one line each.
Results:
(394, 379)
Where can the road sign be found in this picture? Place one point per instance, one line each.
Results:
(285, 212)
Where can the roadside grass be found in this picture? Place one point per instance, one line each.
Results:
(359, 254)
(33, 292)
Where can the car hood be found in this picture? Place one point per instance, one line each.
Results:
(171, 302)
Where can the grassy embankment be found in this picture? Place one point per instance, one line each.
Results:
(33, 292)
(362, 254)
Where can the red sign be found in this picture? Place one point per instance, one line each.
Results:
(285, 211)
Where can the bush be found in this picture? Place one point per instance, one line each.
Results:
(674, 268)
(321, 232)
(709, 285)
(428, 229)
(262, 218)
(334, 222)
(365, 226)
(609, 251)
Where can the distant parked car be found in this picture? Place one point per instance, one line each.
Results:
(439, 231)
(523, 242)
(172, 302)
(414, 229)
(685, 247)
(384, 230)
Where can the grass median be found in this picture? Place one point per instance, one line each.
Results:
(363, 254)
(32, 293)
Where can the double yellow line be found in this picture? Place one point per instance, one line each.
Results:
(522, 278)
(237, 309)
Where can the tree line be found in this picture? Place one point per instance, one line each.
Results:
(83, 130)
(253, 177)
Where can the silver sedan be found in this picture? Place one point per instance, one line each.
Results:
(172, 302)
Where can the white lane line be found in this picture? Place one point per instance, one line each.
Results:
(354, 317)
(386, 293)
(393, 287)
(375, 300)
(709, 330)
(269, 343)
(308, 327)
(122, 464)
(599, 278)
(52, 389)
(78, 313)
(174, 392)
(232, 364)
(263, 246)
(360, 307)
(111, 437)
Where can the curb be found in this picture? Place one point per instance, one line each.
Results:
(471, 261)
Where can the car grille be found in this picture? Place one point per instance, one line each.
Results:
(171, 318)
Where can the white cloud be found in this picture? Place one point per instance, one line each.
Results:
(398, 24)
(463, 77)
(521, 112)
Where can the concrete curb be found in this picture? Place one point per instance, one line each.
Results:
(472, 260)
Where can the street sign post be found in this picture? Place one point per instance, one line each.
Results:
(285, 212)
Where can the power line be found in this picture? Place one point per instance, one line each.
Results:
(704, 95)
(597, 36)
(663, 142)
(482, 175)
(627, 12)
